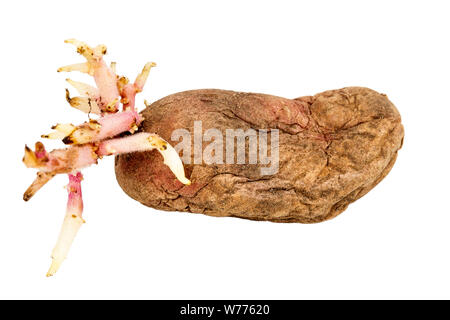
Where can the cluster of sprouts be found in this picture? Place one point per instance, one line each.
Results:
(115, 131)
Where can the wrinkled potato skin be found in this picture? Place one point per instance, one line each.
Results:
(334, 148)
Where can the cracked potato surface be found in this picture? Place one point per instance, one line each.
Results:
(333, 148)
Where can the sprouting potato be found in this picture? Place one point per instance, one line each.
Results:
(294, 160)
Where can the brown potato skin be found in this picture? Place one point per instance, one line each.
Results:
(334, 148)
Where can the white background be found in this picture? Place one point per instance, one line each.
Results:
(393, 243)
